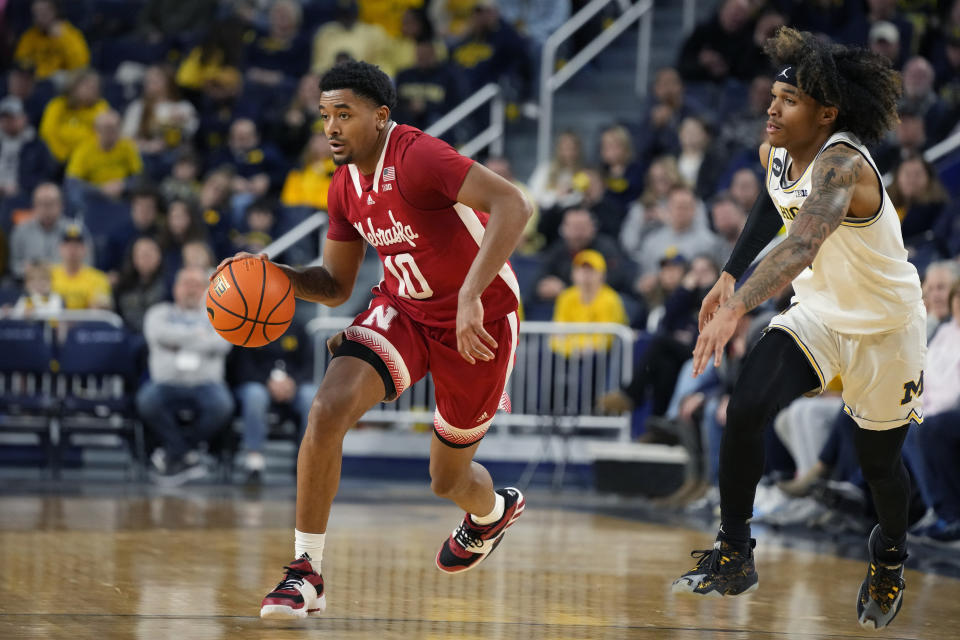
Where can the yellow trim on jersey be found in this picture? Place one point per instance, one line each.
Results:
(913, 416)
(850, 221)
(769, 163)
(796, 183)
(806, 351)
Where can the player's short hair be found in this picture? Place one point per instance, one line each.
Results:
(859, 82)
(364, 79)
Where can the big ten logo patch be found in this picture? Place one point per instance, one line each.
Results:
(220, 286)
(777, 167)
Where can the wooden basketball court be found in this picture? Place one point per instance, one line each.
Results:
(191, 565)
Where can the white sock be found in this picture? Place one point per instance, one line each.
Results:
(311, 544)
(494, 515)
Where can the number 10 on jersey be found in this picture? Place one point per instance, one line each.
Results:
(403, 267)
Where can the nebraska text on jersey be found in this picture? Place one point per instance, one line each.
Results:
(426, 239)
(385, 236)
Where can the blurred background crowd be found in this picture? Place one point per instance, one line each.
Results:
(141, 141)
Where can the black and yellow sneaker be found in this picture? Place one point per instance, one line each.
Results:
(722, 571)
(881, 594)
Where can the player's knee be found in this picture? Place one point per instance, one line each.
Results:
(878, 471)
(330, 417)
(745, 412)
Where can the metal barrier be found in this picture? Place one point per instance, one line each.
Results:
(941, 149)
(547, 389)
(551, 80)
(492, 136)
(69, 315)
(315, 222)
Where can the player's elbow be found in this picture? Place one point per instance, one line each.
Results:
(526, 206)
(336, 301)
(521, 204)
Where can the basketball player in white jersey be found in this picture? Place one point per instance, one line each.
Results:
(857, 312)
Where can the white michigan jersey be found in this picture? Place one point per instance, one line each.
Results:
(860, 282)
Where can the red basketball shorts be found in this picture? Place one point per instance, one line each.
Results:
(467, 395)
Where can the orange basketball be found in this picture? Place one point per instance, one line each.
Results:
(250, 302)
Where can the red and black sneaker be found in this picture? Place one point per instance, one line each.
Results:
(298, 595)
(470, 543)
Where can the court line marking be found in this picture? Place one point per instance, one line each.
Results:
(319, 620)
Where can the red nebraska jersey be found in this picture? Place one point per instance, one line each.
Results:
(408, 211)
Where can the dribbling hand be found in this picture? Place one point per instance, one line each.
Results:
(240, 255)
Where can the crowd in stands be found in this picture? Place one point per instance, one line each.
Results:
(141, 142)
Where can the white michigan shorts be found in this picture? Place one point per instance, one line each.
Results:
(882, 373)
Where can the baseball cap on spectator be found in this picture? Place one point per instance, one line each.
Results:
(590, 258)
(11, 106)
(886, 31)
(72, 233)
(672, 256)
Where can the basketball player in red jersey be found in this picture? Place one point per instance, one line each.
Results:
(444, 227)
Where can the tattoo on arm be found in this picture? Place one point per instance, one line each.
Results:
(835, 175)
(313, 283)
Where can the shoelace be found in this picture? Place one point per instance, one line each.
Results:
(706, 555)
(885, 585)
(467, 536)
(293, 577)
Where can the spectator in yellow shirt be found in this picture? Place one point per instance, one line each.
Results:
(51, 45)
(212, 68)
(104, 163)
(68, 119)
(348, 35)
(80, 286)
(590, 299)
(389, 14)
(307, 186)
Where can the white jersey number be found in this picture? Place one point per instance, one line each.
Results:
(402, 267)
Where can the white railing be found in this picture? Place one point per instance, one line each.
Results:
(934, 153)
(689, 16)
(66, 316)
(315, 222)
(547, 389)
(492, 136)
(551, 81)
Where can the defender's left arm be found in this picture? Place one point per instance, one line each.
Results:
(835, 176)
(509, 211)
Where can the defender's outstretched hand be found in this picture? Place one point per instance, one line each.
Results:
(719, 294)
(713, 338)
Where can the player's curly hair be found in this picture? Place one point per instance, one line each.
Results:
(364, 79)
(860, 83)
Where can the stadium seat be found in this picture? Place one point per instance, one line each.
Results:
(108, 54)
(12, 208)
(95, 386)
(26, 381)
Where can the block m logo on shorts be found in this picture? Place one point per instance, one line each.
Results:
(912, 388)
